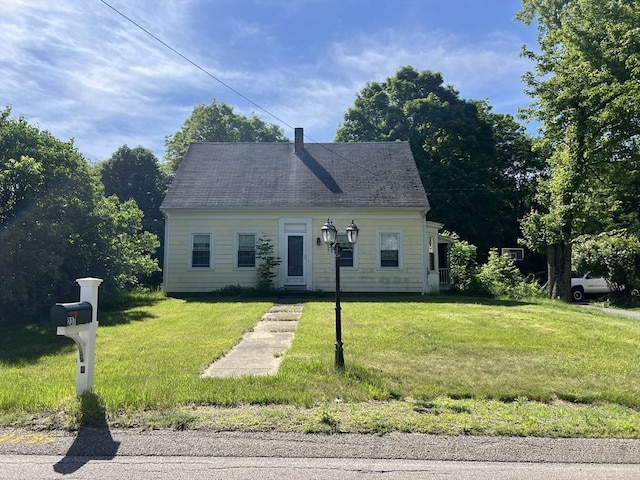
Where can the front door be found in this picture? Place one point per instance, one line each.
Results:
(295, 260)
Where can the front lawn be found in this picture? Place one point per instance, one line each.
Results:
(428, 364)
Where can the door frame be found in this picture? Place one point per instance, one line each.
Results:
(296, 227)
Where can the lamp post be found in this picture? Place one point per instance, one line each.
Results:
(329, 236)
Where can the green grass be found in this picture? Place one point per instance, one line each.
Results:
(424, 364)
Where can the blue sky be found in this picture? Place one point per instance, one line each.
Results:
(80, 70)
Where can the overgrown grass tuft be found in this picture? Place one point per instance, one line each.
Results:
(429, 364)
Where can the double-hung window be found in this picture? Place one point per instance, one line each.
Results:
(246, 253)
(201, 250)
(389, 244)
(346, 250)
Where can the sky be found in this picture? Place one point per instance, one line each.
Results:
(82, 71)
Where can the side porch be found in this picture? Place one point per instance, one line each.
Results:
(438, 245)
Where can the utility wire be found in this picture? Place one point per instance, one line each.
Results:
(240, 94)
(203, 70)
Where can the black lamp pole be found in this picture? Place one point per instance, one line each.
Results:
(329, 234)
(339, 361)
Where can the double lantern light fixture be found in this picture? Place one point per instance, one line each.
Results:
(329, 237)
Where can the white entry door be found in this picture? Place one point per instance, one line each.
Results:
(295, 255)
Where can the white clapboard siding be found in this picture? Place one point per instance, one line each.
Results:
(367, 276)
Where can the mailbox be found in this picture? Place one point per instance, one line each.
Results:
(68, 314)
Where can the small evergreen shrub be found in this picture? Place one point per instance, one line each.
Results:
(265, 252)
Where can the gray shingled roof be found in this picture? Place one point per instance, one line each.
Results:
(273, 175)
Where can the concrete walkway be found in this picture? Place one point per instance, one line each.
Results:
(260, 351)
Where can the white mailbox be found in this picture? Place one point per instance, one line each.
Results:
(79, 322)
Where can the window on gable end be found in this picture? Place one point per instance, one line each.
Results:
(201, 250)
(389, 249)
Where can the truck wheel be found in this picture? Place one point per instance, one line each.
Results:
(577, 294)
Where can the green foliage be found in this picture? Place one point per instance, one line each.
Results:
(136, 174)
(232, 290)
(476, 166)
(614, 255)
(265, 252)
(121, 249)
(57, 226)
(463, 265)
(558, 203)
(502, 279)
(47, 191)
(498, 277)
(586, 87)
(217, 122)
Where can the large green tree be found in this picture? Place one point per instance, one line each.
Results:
(217, 122)
(56, 225)
(474, 164)
(120, 250)
(518, 163)
(45, 192)
(135, 174)
(586, 87)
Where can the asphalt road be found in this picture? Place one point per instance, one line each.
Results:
(123, 454)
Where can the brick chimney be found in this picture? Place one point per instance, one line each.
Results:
(299, 140)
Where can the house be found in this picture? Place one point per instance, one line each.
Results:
(226, 195)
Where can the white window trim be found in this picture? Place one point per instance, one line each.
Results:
(236, 244)
(211, 251)
(379, 234)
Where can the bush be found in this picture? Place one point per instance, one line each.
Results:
(463, 266)
(501, 278)
(56, 225)
(234, 290)
(614, 255)
(265, 252)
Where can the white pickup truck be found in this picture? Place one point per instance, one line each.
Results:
(586, 284)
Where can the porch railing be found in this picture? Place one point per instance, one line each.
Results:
(445, 276)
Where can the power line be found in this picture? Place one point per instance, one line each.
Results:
(478, 189)
(202, 69)
(237, 92)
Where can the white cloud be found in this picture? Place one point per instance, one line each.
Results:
(80, 70)
(322, 91)
(67, 68)
(472, 69)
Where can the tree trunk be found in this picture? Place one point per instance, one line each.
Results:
(559, 270)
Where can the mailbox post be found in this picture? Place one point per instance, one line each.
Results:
(79, 322)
